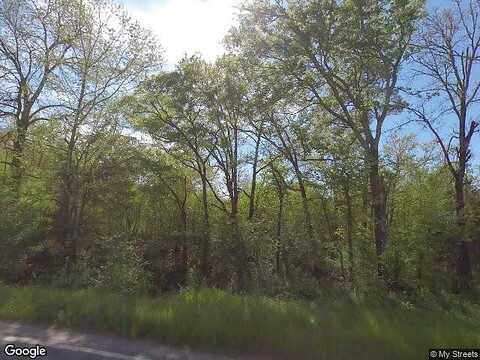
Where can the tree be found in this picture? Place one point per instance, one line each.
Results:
(225, 98)
(278, 174)
(340, 165)
(171, 108)
(110, 56)
(449, 56)
(346, 58)
(35, 39)
(287, 134)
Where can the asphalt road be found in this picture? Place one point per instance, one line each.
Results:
(70, 345)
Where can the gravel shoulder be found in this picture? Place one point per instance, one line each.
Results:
(64, 344)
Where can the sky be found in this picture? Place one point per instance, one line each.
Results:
(185, 26)
(189, 26)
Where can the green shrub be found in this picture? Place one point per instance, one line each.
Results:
(124, 271)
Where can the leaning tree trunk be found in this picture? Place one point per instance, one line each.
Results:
(463, 266)
(280, 253)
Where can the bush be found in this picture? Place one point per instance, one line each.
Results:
(124, 271)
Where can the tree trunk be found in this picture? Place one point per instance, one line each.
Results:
(463, 266)
(251, 207)
(69, 222)
(70, 209)
(184, 244)
(306, 207)
(240, 256)
(183, 216)
(240, 252)
(367, 208)
(332, 231)
(379, 211)
(279, 233)
(205, 263)
(17, 161)
(349, 233)
(280, 250)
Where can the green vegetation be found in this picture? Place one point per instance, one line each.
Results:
(329, 328)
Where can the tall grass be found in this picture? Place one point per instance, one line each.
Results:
(216, 319)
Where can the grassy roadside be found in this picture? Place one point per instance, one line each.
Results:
(213, 318)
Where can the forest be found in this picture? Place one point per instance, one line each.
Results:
(329, 156)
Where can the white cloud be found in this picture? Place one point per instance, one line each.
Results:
(188, 26)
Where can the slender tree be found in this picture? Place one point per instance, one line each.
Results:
(171, 108)
(449, 61)
(111, 55)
